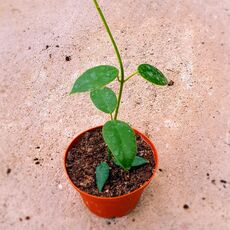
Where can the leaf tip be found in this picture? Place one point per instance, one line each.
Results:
(70, 93)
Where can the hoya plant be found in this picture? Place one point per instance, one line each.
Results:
(118, 135)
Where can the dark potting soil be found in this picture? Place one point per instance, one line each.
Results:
(90, 150)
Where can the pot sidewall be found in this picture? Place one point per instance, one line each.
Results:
(113, 206)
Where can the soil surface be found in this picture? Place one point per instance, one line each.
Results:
(90, 150)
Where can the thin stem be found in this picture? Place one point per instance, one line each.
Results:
(111, 116)
(131, 75)
(121, 81)
(111, 37)
(119, 97)
(109, 154)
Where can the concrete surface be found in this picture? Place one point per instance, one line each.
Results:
(189, 121)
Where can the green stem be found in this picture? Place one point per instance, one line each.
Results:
(131, 75)
(121, 81)
(111, 116)
(119, 97)
(109, 154)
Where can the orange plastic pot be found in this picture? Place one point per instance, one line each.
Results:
(109, 207)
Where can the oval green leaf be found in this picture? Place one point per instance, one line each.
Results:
(102, 175)
(138, 161)
(116, 162)
(95, 78)
(104, 99)
(121, 140)
(152, 74)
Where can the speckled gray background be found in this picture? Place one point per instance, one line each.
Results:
(188, 122)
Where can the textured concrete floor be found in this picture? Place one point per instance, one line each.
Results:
(188, 40)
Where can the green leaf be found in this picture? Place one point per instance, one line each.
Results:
(104, 99)
(152, 74)
(116, 163)
(102, 175)
(121, 140)
(138, 161)
(95, 78)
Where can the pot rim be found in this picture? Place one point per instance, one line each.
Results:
(145, 138)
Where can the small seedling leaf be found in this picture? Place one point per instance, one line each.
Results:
(138, 161)
(152, 74)
(121, 140)
(104, 99)
(102, 175)
(95, 78)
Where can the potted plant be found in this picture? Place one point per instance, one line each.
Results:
(110, 165)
